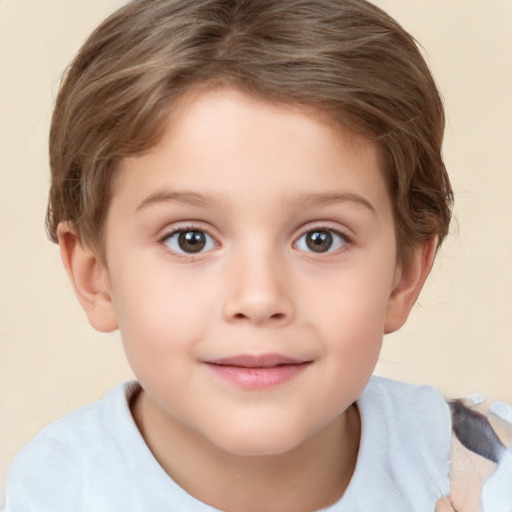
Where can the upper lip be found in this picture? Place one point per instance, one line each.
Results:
(256, 361)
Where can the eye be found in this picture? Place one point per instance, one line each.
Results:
(189, 241)
(321, 241)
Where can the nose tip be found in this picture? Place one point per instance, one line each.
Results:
(259, 295)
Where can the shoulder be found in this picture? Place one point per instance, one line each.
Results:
(48, 468)
(83, 428)
(406, 403)
(418, 415)
(405, 444)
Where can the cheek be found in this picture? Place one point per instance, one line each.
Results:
(356, 296)
(158, 313)
(352, 309)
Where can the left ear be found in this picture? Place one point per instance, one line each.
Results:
(409, 280)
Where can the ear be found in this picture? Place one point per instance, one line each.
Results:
(409, 281)
(89, 278)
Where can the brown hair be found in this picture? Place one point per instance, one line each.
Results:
(346, 58)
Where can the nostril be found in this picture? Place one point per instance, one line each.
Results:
(275, 316)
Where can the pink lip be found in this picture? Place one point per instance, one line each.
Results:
(257, 372)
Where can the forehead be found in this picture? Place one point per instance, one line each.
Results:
(223, 142)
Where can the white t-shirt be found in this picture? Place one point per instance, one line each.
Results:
(95, 460)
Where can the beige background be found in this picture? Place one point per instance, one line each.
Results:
(459, 337)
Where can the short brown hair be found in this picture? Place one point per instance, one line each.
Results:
(346, 58)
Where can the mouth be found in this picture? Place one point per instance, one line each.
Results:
(257, 372)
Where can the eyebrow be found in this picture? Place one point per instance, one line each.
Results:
(190, 198)
(301, 201)
(311, 200)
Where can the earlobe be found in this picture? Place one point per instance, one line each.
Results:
(89, 278)
(409, 281)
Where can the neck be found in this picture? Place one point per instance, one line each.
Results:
(309, 477)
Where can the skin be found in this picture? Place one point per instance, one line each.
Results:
(444, 505)
(254, 178)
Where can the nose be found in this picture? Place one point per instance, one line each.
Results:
(258, 291)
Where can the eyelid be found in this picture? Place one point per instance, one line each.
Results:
(186, 224)
(325, 226)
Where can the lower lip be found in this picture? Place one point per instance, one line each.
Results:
(258, 378)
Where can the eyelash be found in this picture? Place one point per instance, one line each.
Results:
(347, 241)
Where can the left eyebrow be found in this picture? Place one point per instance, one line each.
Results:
(311, 200)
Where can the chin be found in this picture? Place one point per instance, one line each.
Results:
(253, 443)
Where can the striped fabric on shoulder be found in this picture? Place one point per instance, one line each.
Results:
(481, 457)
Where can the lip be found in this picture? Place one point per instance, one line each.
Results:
(257, 371)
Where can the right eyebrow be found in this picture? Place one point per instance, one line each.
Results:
(164, 196)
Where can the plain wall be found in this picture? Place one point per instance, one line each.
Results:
(459, 336)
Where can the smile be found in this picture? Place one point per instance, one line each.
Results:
(257, 372)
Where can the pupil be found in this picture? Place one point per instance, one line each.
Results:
(191, 241)
(319, 241)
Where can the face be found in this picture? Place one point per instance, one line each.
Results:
(251, 258)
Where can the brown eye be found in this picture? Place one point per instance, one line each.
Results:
(190, 241)
(320, 241)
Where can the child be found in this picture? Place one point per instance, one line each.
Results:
(253, 193)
